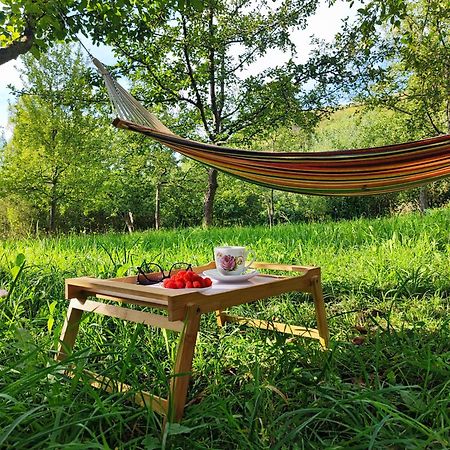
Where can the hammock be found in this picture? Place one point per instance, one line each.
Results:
(366, 171)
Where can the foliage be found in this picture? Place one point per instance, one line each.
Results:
(198, 67)
(407, 44)
(207, 69)
(250, 388)
(418, 82)
(50, 160)
(136, 166)
(30, 26)
(201, 60)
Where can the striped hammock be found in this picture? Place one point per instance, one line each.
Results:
(366, 171)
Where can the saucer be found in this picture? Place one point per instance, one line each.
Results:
(214, 273)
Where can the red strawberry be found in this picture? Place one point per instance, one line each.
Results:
(197, 284)
(207, 282)
(189, 284)
(171, 284)
(179, 284)
(189, 275)
(165, 282)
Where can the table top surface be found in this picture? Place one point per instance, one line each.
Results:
(217, 296)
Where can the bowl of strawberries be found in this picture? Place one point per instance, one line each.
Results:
(187, 279)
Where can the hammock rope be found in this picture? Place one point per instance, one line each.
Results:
(357, 172)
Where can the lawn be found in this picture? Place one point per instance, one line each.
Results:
(385, 382)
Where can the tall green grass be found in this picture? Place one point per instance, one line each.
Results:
(252, 389)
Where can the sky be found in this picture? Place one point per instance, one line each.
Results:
(324, 25)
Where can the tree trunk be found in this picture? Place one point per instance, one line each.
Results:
(448, 116)
(129, 220)
(423, 199)
(209, 198)
(271, 209)
(17, 48)
(52, 215)
(158, 206)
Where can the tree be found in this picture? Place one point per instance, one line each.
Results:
(399, 53)
(197, 65)
(146, 182)
(416, 77)
(56, 158)
(29, 25)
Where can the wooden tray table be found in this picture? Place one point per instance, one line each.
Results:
(184, 309)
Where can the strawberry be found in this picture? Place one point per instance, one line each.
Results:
(186, 279)
(189, 275)
(179, 283)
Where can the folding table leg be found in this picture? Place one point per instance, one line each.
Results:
(183, 364)
(69, 331)
(321, 316)
(220, 316)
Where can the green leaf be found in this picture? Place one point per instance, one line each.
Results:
(52, 306)
(50, 322)
(412, 401)
(20, 259)
(176, 428)
(15, 271)
(151, 443)
(35, 51)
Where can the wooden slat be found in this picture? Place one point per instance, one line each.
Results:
(224, 300)
(273, 326)
(142, 398)
(69, 330)
(86, 285)
(321, 315)
(219, 318)
(147, 304)
(183, 363)
(131, 315)
(285, 267)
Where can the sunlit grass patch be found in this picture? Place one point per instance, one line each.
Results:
(383, 384)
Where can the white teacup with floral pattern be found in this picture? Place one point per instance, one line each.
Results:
(231, 260)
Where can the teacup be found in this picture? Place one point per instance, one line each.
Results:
(231, 260)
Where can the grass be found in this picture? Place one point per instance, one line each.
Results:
(386, 283)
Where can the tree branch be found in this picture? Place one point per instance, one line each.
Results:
(245, 122)
(194, 85)
(222, 84)
(435, 128)
(153, 75)
(19, 47)
(212, 74)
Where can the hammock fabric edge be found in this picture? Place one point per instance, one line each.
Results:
(357, 172)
